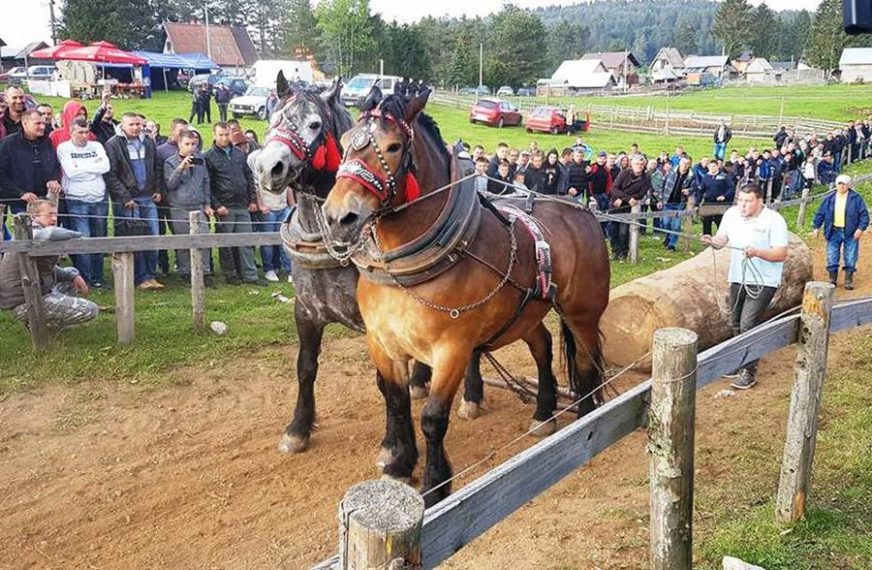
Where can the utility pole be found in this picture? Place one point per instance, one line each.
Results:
(208, 35)
(54, 26)
(480, 63)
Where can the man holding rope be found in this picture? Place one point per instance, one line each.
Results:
(758, 237)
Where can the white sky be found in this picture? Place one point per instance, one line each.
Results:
(33, 24)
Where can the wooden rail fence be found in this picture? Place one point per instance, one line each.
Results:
(477, 507)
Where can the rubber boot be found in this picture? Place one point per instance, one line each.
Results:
(834, 278)
(849, 280)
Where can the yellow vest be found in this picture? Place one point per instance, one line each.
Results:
(840, 207)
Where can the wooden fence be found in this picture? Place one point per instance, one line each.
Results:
(481, 504)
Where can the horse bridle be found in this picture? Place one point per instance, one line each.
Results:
(383, 187)
(285, 132)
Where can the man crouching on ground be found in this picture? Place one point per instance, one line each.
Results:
(58, 284)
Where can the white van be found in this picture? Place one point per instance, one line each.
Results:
(355, 91)
(266, 71)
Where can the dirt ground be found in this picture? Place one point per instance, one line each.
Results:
(188, 476)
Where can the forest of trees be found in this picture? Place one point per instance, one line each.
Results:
(520, 46)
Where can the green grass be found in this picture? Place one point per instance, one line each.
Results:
(837, 532)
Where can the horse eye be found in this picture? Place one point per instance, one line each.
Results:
(394, 148)
(315, 125)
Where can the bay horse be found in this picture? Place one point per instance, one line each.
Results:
(301, 152)
(494, 286)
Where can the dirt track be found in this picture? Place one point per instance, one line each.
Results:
(107, 476)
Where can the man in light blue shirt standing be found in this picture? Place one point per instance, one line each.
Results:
(758, 237)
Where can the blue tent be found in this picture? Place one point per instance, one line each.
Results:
(159, 66)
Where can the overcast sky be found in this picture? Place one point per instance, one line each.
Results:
(33, 23)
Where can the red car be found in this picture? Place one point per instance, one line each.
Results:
(494, 112)
(547, 119)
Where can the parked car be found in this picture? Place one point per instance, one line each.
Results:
(526, 92)
(253, 103)
(355, 93)
(14, 74)
(494, 112)
(237, 85)
(481, 90)
(505, 91)
(18, 74)
(547, 119)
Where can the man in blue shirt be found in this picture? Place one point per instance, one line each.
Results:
(844, 217)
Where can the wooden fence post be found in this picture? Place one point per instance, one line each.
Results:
(687, 224)
(670, 444)
(380, 527)
(634, 234)
(800, 216)
(198, 288)
(32, 288)
(805, 400)
(122, 275)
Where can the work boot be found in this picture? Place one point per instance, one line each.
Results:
(747, 379)
(834, 278)
(849, 280)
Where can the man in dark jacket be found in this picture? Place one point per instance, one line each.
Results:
(104, 124)
(722, 136)
(781, 137)
(134, 184)
(206, 101)
(716, 188)
(29, 167)
(15, 110)
(222, 99)
(629, 188)
(234, 198)
(578, 176)
(534, 174)
(844, 217)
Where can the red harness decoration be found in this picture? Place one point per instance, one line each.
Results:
(290, 139)
(412, 191)
(327, 156)
(361, 173)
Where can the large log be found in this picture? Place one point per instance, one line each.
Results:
(684, 296)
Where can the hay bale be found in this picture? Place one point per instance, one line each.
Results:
(684, 296)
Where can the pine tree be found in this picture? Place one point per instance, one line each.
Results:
(129, 24)
(764, 42)
(732, 26)
(827, 38)
(299, 31)
(686, 38)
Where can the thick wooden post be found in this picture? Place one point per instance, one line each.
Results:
(800, 216)
(670, 444)
(805, 401)
(198, 288)
(122, 275)
(687, 224)
(32, 287)
(634, 234)
(380, 527)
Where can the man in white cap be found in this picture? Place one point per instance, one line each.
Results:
(844, 217)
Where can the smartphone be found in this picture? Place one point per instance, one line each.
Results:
(198, 160)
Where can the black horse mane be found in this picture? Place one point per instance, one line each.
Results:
(396, 106)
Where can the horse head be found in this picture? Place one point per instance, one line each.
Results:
(378, 170)
(302, 142)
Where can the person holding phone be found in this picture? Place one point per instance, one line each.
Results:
(186, 179)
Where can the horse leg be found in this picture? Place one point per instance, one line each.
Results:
(583, 354)
(447, 374)
(419, 383)
(399, 453)
(297, 433)
(473, 390)
(539, 342)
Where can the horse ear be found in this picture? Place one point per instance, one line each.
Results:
(373, 99)
(416, 105)
(331, 94)
(282, 86)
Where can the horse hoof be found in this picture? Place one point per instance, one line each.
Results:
(406, 480)
(539, 429)
(291, 444)
(384, 457)
(469, 410)
(419, 392)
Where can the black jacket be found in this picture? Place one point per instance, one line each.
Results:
(120, 180)
(534, 179)
(103, 130)
(728, 134)
(627, 185)
(230, 178)
(26, 166)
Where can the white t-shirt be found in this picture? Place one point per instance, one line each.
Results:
(83, 169)
(766, 230)
(275, 202)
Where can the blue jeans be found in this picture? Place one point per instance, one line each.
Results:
(274, 257)
(89, 219)
(836, 245)
(671, 224)
(720, 150)
(602, 204)
(144, 262)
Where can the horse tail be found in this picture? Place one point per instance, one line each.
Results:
(584, 384)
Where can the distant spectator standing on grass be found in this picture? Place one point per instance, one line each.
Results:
(677, 188)
(234, 198)
(758, 238)
(844, 217)
(134, 185)
(716, 189)
(222, 99)
(197, 105)
(84, 162)
(722, 137)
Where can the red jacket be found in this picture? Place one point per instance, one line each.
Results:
(62, 133)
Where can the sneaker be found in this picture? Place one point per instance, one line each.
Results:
(745, 380)
(271, 276)
(290, 279)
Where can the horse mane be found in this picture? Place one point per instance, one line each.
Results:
(396, 105)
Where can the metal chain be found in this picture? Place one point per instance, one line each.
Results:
(453, 312)
(343, 257)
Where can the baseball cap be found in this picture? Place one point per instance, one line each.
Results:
(603, 153)
(843, 179)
